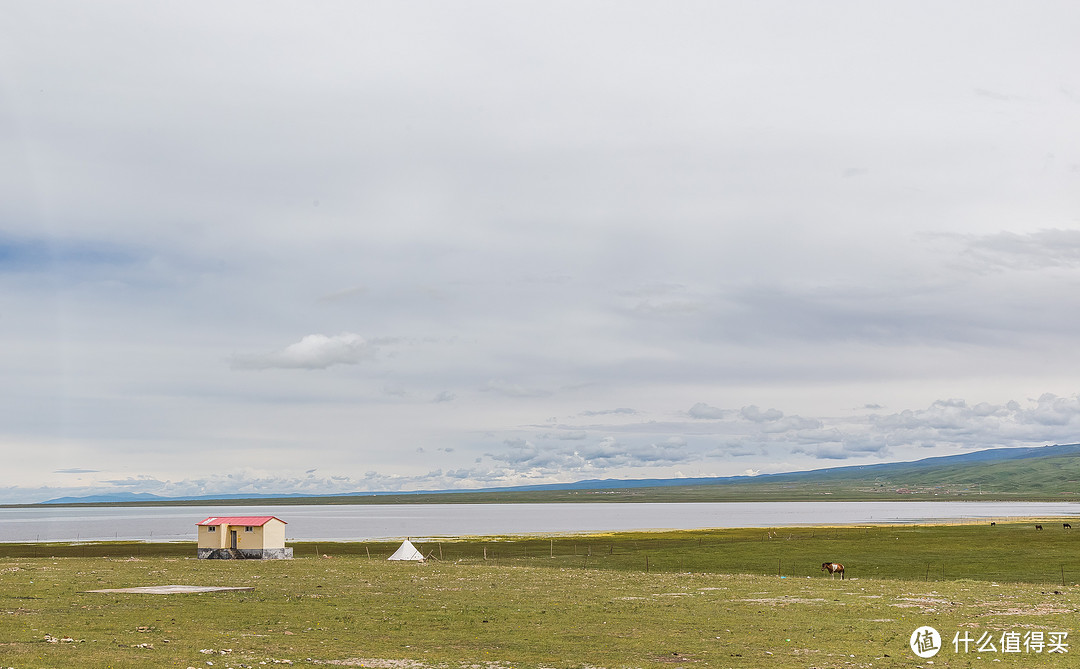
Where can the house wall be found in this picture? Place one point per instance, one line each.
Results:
(273, 534)
(216, 539)
(248, 540)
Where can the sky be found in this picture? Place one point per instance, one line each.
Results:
(277, 247)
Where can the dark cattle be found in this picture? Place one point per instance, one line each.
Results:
(1038, 527)
(1066, 526)
(992, 523)
(833, 568)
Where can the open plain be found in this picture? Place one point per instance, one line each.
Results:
(719, 598)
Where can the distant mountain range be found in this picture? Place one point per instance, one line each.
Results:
(1036, 472)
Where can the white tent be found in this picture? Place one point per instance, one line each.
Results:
(406, 552)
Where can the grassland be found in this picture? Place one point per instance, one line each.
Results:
(720, 598)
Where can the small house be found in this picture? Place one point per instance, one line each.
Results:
(239, 537)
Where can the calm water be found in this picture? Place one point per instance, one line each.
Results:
(365, 522)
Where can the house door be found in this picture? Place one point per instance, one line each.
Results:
(232, 538)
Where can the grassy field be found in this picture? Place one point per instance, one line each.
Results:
(721, 598)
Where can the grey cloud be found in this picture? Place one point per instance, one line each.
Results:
(566, 435)
(75, 470)
(1051, 410)
(739, 448)
(347, 295)
(663, 299)
(444, 396)
(954, 422)
(314, 351)
(1030, 251)
(607, 453)
(833, 445)
(790, 424)
(824, 452)
(704, 411)
(994, 95)
(501, 387)
(611, 412)
(135, 482)
(756, 415)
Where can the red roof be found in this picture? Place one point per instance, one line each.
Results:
(254, 521)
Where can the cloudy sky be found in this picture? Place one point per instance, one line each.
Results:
(337, 246)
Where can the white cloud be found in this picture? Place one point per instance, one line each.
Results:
(315, 351)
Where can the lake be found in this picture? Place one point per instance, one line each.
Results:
(362, 522)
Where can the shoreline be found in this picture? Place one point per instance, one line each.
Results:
(585, 534)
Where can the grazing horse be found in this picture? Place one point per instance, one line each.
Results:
(1066, 526)
(833, 568)
(1038, 527)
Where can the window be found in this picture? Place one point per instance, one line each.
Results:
(249, 528)
(211, 528)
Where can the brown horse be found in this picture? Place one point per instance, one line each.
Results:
(833, 568)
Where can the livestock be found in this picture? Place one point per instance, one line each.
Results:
(1066, 526)
(1038, 527)
(833, 568)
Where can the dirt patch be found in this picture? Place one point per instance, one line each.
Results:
(1038, 610)
(673, 657)
(925, 604)
(172, 589)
